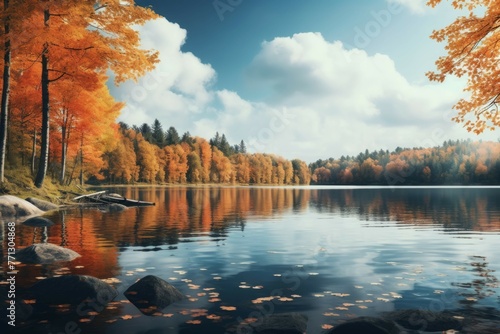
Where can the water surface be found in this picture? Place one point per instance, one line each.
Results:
(242, 253)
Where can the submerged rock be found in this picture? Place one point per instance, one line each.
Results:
(38, 222)
(292, 323)
(15, 207)
(152, 294)
(425, 320)
(45, 253)
(41, 204)
(366, 325)
(115, 207)
(73, 290)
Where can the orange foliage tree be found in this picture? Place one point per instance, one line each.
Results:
(79, 39)
(472, 46)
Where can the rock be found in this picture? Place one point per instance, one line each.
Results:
(15, 207)
(152, 294)
(38, 222)
(45, 253)
(115, 207)
(283, 324)
(425, 320)
(73, 290)
(366, 325)
(41, 204)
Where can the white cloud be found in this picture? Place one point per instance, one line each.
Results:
(323, 100)
(415, 6)
(177, 90)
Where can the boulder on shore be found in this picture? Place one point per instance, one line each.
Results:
(45, 253)
(41, 204)
(292, 323)
(73, 290)
(15, 207)
(38, 222)
(152, 294)
(366, 325)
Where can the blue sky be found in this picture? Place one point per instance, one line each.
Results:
(307, 80)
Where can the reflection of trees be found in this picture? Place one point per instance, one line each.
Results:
(461, 208)
(481, 287)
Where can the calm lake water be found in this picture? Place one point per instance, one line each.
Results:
(328, 253)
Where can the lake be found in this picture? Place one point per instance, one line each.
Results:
(242, 253)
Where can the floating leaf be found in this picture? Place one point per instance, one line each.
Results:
(85, 320)
(126, 317)
(213, 317)
(168, 315)
(326, 326)
(110, 321)
(214, 300)
(330, 314)
(193, 322)
(228, 308)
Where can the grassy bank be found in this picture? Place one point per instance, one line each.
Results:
(19, 182)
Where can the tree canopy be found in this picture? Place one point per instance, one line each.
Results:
(472, 47)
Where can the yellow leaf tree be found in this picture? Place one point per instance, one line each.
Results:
(472, 46)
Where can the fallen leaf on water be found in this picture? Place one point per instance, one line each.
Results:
(92, 313)
(258, 287)
(193, 322)
(249, 320)
(168, 315)
(214, 300)
(326, 326)
(201, 294)
(208, 289)
(296, 296)
(330, 314)
(126, 317)
(213, 317)
(341, 308)
(157, 314)
(362, 307)
(244, 286)
(84, 320)
(228, 308)
(110, 321)
(318, 295)
(285, 299)
(193, 299)
(341, 295)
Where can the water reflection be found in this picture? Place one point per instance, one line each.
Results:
(306, 243)
(471, 209)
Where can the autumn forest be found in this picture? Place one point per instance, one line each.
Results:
(59, 118)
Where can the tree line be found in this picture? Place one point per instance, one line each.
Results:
(148, 154)
(454, 162)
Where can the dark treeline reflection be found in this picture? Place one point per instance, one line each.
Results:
(206, 214)
(476, 209)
